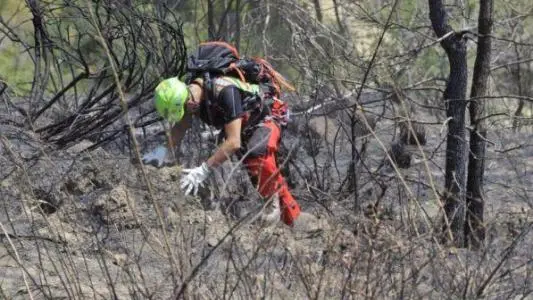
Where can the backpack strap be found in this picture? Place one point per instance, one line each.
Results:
(254, 92)
(209, 90)
(244, 86)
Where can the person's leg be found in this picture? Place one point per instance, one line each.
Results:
(264, 172)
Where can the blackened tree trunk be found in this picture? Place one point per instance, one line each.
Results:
(338, 17)
(518, 80)
(41, 72)
(211, 30)
(318, 10)
(238, 9)
(223, 20)
(474, 229)
(455, 98)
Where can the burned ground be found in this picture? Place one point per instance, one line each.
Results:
(80, 224)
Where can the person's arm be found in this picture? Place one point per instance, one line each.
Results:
(177, 132)
(166, 154)
(230, 99)
(194, 178)
(231, 144)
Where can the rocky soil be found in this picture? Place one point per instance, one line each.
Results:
(95, 225)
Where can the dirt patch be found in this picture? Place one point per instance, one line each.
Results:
(89, 225)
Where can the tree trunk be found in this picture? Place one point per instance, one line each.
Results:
(211, 30)
(318, 10)
(454, 96)
(474, 229)
(518, 74)
(41, 73)
(338, 17)
(238, 24)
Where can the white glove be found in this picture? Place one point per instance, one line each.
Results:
(194, 178)
(158, 157)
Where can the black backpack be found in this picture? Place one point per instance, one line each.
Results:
(215, 58)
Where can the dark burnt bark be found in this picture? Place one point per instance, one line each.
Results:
(95, 114)
(521, 102)
(356, 154)
(318, 10)
(41, 72)
(338, 17)
(454, 97)
(211, 30)
(237, 38)
(474, 229)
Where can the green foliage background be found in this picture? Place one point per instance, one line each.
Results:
(281, 38)
(16, 67)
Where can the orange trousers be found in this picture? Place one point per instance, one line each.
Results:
(260, 161)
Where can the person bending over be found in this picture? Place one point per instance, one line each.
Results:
(250, 130)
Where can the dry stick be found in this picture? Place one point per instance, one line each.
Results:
(130, 206)
(397, 171)
(359, 92)
(137, 220)
(426, 165)
(432, 184)
(134, 139)
(242, 272)
(19, 261)
(263, 33)
(365, 119)
(105, 269)
(25, 171)
(512, 247)
(180, 292)
(433, 43)
(374, 55)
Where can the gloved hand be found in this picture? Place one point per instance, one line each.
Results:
(158, 157)
(194, 178)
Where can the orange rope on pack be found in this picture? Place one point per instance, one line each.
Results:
(233, 66)
(277, 78)
(223, 44)
(266, 71)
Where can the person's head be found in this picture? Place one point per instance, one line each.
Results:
(171, 96)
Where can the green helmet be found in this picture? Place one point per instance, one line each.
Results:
(170, 97)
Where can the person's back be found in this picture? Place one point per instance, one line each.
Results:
(231, 99)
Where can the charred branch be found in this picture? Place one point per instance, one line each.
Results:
(65, 116)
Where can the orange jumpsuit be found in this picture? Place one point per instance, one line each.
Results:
(264, 172)
(261, 138)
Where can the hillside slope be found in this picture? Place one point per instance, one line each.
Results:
(83, 225)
